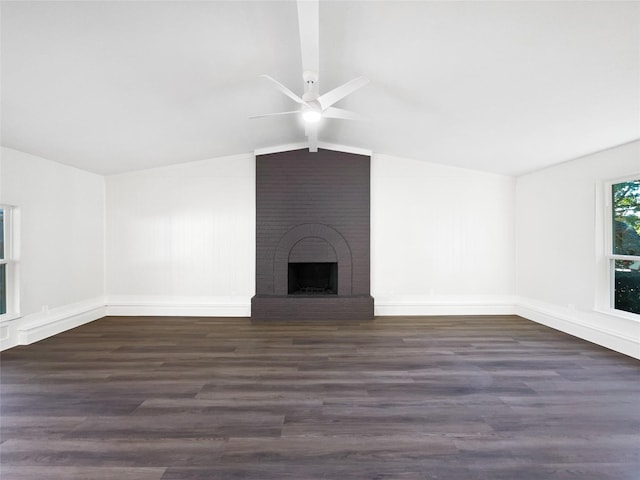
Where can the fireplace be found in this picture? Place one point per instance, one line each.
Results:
(312, 236)
(313, 278)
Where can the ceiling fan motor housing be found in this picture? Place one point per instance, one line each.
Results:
(311, 85)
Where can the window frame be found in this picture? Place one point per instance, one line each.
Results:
(609, 255)
(10, 219)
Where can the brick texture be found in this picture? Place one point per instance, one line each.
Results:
(316, 207)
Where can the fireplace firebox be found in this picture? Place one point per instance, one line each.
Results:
(313, 278)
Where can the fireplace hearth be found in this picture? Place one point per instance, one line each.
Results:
(312, 236)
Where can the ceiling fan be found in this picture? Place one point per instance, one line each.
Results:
(314, 106)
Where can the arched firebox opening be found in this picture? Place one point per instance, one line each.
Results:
(312, 243)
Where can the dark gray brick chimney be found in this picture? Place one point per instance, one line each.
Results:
(312, 207)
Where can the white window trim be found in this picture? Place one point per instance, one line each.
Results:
(11, 255)
(605, 302)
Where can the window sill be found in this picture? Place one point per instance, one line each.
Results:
(618, 314)
(9, 317)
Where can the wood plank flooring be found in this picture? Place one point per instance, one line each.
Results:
(458, 398)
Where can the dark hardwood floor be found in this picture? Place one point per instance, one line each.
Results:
(457, 398)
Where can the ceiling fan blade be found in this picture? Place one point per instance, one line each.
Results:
(342, 91)
(273, 114)
(311, 131)
(333, 112)
(309, 25)
(285, 90)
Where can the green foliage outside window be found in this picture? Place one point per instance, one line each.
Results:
(626, 241)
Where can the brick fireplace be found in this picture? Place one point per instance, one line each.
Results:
(312, 236)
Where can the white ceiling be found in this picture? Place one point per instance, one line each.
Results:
(505, 87)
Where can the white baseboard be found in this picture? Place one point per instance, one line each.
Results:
(592, 326)
(9, 334)
(126, 305)
(444, 305)
(38, 326)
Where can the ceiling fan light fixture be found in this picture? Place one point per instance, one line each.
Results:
(311, 116)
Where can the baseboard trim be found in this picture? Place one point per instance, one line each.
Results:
(38, 326)
(179, 306)
(584, 325)
(468, 305)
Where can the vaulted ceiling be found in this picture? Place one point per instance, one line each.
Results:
(505, 87)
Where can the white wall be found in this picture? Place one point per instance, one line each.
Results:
(181, 239)
(443, 239)
(61, 244)
(561, 269)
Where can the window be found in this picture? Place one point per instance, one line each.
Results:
(8, 291)
(624, 246)
(3, 266)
